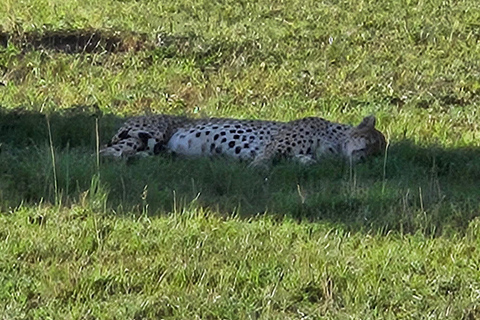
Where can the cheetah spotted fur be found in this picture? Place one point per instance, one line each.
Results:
(257, 141)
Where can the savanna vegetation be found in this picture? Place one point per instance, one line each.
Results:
(395, 237)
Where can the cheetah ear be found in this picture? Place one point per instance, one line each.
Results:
(367, 123)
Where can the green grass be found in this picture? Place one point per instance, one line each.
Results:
(393, 238)
(78, 263)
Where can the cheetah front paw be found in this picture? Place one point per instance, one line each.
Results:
(305, 160)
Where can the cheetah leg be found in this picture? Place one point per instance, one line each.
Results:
(122, 149)
(305, 159)
(132, 142)
(259, 163)
(272, 149)
(149, 144)
(263, 158)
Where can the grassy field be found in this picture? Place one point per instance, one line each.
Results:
(396, 237)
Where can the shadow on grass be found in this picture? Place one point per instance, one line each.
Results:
(77, 41)
(208, 54)
(418, 188)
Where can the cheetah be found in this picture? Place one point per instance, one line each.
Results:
(257, 141)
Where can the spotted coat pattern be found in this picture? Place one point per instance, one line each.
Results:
(258, 141)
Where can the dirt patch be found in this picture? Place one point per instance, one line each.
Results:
(78, 41)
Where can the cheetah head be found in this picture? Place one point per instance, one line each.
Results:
(364, 141)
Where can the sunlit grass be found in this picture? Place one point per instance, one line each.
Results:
(78, 262)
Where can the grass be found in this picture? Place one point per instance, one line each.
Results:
(392, 238)
(78, 263)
